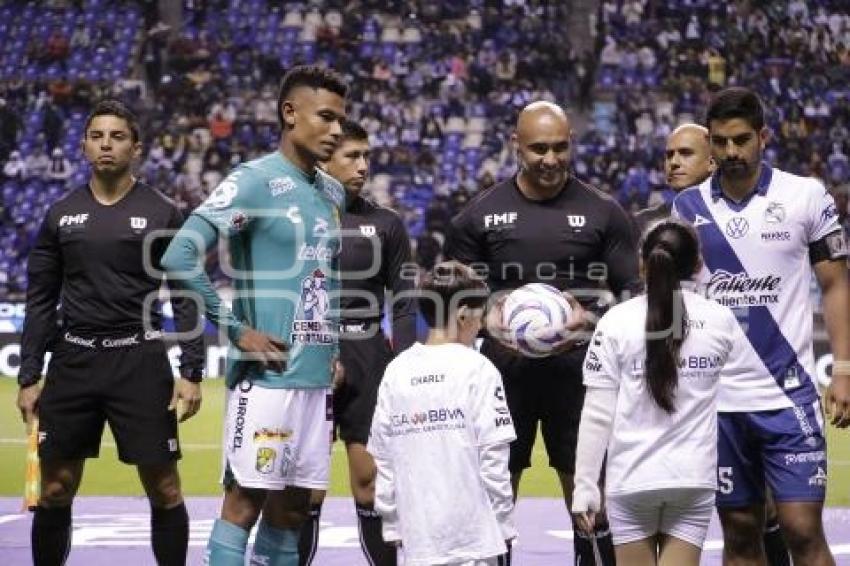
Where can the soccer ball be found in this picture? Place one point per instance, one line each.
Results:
(535, 315)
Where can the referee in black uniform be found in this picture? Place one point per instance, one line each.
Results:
(375, 250)
(544, 225)
(109, 362)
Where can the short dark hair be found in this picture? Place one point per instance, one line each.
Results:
(446, 288)
(351, 130)
(736, 102)
(313, 76)
(113, 107)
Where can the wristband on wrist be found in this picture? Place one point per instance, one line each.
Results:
(195, 375)
(27, 381)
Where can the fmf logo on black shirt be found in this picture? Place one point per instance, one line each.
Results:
(493, 220)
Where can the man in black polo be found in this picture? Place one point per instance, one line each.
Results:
(97, 254)
(544, 225)
(375, 250)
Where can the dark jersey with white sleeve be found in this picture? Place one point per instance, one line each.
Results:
(102, 264)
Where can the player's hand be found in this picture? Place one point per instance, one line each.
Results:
(837, 400)
(337, 374)
(269, 351)
(585, 522)
(187, 394)
(577, 328)
(28, 402)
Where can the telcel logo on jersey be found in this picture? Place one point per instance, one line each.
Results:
(308, 252)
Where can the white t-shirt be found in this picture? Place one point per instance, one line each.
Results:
(756, 257)
(649, 448)
(440, 438)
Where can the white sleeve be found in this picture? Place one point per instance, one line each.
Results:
(378, 447)
(823, 214)
(597, 420)
(497, 482)
(491, 418)
(601, 363)
(494, 430)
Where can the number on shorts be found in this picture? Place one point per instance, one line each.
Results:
(724, 476)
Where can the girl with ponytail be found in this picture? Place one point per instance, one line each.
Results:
(652, 372)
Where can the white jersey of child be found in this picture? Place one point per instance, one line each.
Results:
(649, 448)
(440, 438)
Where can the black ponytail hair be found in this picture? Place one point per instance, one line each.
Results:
(670, 253)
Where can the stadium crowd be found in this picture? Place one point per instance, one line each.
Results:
(437, 85)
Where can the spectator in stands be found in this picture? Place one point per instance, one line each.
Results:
(57, 46)
(37, 163)
(15, 167)
(60, 168)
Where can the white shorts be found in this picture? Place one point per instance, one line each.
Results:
(679, 512)
(276, 438)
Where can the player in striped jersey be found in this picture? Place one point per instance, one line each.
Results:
(764, 232)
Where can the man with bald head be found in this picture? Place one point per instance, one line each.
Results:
(545, 225)
(687, 162)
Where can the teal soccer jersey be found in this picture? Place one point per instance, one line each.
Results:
(282, 233)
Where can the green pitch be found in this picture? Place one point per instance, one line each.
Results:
(200, 437)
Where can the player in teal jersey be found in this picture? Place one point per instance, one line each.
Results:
(279, 216)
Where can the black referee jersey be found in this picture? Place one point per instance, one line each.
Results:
(579, 239)
(375, 244)
(90, 258)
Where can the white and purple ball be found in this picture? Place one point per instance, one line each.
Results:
(535, 316)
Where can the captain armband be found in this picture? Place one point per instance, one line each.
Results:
(831, 247)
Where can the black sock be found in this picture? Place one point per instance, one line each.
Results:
(170, 535)
(372, 542)
(774, 544)
(308, 538)
(583, 547)
(51, 535)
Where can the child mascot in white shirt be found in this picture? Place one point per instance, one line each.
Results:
(440, 435)
(652, 374)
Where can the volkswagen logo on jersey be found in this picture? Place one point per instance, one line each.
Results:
(737, 227)
(774, 213)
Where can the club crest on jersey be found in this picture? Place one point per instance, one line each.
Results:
(265, 460)
(238, 220)
(138, 222)
(311, 325)
(737, 227)
(774, 213)
(281, 186)
(368, 230)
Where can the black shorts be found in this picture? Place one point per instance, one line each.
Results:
(549, 390)
(128, 386)
(354, 401)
